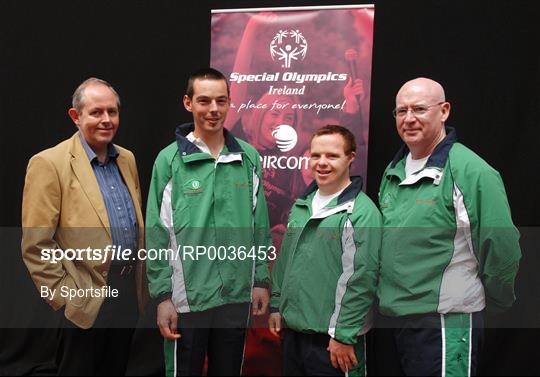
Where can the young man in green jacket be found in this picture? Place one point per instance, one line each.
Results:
(208, 236)
(449, 249)
(324, 280)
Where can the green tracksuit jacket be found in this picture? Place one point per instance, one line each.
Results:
(214, 207)
(325, 278)
(449, 244)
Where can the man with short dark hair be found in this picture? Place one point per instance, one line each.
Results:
(324, 280)
(83, 195)
(206, 205)
(449, 250)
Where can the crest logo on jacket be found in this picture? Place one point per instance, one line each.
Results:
(193, 186)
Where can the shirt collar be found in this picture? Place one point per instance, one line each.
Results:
(350, 192)
(112, 153)
(198, 142)
(185, 146)
(440, 153)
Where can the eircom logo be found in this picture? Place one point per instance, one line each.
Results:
(286, 137)
(288, 45)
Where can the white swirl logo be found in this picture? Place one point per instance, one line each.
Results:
(288, 45)
(286, 137)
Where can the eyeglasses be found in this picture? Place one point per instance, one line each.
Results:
(416, 110)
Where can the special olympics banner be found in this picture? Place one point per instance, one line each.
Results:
(293, 70)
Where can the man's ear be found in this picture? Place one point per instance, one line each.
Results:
(187, 103)
(74, 115)
(352, 156)
(445, 107)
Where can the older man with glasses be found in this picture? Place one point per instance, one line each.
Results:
(450, 250)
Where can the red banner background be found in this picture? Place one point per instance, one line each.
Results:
(292, 72)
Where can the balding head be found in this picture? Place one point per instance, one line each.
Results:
(430, 89)
(421, 110)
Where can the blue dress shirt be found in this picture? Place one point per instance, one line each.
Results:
(118, 202)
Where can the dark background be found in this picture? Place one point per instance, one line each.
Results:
(485, 54)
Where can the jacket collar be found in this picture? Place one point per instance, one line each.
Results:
(186, 147)
(348, 194)
(440, 153)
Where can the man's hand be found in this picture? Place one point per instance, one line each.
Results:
(167, 320)
(261, 298)
(274, 323)
(342, 355)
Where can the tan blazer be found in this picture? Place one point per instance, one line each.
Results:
(63, 208)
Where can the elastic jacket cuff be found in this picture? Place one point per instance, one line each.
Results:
(342, 342)
(162, 297)
(261, 284)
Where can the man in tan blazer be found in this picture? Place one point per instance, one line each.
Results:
(81, 202)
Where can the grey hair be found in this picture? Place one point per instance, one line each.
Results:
(78, 96)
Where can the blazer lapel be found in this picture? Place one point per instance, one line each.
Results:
(84, 173)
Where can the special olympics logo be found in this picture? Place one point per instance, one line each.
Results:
(286, 137)
(288, 45)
